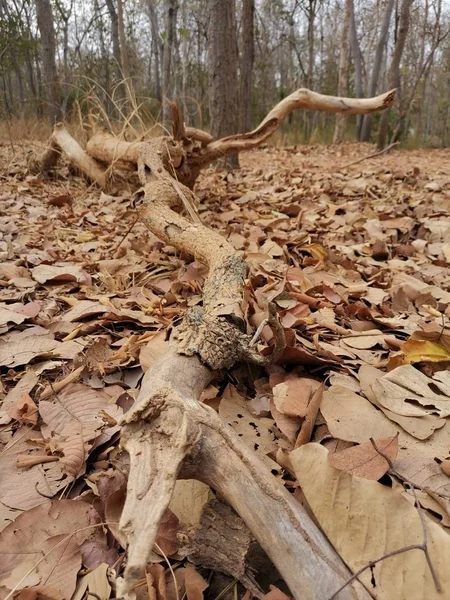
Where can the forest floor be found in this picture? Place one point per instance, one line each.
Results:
(357, 260)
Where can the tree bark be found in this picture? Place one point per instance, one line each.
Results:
(115, 38)
(339, 130)
(367, 121)
(223, 71)
(357, 63)
(394, 71)
(124, 60)
(46, 27)
(169, 41)
(247, 63)
(155, 47)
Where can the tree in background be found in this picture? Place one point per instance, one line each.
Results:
(44, 15)
(344, 67)
(222, 53)
(376, 69)
(394, 72)
(246, 65)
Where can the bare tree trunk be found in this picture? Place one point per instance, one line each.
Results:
(247, 63)
(367, 121)
(311, 15)
(171, 18)
(115, 38)
(394, 72)
(223, 71)
(357, 63)
(124, 57)
(339, 130)
(46, 26)
(155, 47)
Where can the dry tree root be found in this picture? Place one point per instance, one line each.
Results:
(62, 142)
(168, 433)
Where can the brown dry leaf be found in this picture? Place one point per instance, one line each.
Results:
(408, 392)
(352, 418)
(63, 273)
(256, 432)
(425, 473)
(292, 396)
(364, 461)
(40, 592)
(77, 403)
(195, 584)
(364, 520)
(419, 427)
(166, 538)
(276, 594)
(10, 316)
(154, 349)
(188, 500)
(22, 351)
(85, 309)
(26, 488)
(98, 584)
(24, 386)
(156, 583)
(26, 411)
(50, 535)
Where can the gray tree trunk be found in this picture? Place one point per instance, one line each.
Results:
(46, 27)
(168, 50)
(357, 63)
(367, 120)
(344, 67)
(153, 15)
(247, 63)
(394, 71)
(115, 38)
(223, 71)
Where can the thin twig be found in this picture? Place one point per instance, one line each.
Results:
(126, 234)
(355, 162)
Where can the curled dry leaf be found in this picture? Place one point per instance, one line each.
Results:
(408, 392)
(364, 460)
(364, 520)
(55, 274)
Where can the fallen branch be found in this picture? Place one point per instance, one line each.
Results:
(62, 141)
(168, 433)
(360, 160)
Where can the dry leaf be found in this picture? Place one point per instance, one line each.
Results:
(364, 460)
(154, 349)
(50, 535)
(292, 396)
(424, 351)
(352, 418)
(408, 392)
(364, 520)
(20, 352)
(195, 584)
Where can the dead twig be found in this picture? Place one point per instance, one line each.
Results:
(360, 160)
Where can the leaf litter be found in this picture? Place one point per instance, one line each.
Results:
(356, 261)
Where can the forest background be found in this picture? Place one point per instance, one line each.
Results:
(227, 62)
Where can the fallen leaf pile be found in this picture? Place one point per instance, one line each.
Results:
(355, 415)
